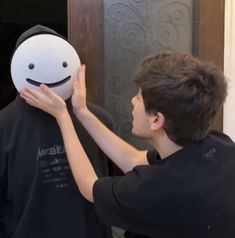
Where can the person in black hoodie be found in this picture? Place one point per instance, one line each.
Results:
(38, 194)
(185, 186)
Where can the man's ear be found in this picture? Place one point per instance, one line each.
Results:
(157, 121)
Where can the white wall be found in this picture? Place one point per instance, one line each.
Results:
(229, 68)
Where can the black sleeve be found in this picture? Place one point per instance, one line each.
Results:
(110, 205)
(120, 201)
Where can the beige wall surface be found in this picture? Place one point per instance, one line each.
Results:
(229, 68)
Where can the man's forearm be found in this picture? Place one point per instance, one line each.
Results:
(81, 167)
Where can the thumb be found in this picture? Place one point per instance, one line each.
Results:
(45, 89)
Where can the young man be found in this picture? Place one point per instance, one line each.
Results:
(185, 187)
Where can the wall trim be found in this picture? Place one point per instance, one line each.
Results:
(229, 68)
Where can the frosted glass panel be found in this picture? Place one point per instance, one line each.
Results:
(132, 30)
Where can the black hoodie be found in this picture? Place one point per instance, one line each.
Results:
(38, 194)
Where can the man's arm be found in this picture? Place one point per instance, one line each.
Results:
(81, 167)
(125, 156)
(120, 152)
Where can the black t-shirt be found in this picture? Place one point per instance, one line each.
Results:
(190, 194)
(38, 195)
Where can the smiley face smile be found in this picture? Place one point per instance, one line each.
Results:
(50, 85)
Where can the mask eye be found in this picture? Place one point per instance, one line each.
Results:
(65, 64)
(31, 66)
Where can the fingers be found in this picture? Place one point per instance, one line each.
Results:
(34, 97)
(79, 83)
(82, 71)
(46, 90)
(29, 95)
(45, 99)
(82, 76)
(29, 99)
(76, 85)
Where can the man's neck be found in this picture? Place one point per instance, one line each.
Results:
(164, 146)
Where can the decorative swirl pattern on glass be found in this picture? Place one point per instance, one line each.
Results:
(132, 30)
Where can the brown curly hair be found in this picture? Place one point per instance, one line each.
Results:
(187, 91)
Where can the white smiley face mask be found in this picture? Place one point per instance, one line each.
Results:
(47, 59)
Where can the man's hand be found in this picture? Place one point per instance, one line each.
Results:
(79, 93)
(45, 100)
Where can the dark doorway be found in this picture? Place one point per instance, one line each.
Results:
(15, 18)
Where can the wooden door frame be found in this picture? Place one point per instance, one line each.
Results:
(211, 38)
(85, 32)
